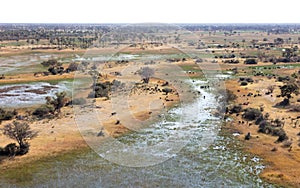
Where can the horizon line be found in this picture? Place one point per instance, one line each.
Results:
(119, 23)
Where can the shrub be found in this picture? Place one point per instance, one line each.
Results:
(250, 80)
(7, 115)
(43, 111)
(23, 149)
(199, 60)
(250, 61)
(116, 84)
(11, 149)
(251, 114)
(243, 83)
(100, 90)
(72, 67)
(53, 71)
(281, 78)
(264, 127)
(57, 102)
(284, 102)
(56, 70)
(167, 90)
(236, 109)
(259, 120)
(282, 136)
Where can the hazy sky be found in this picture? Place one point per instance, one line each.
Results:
(139, 11)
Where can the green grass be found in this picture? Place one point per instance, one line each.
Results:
(24, 174)
(188, 67)
(52, 82)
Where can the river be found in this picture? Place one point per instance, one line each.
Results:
(210, 158)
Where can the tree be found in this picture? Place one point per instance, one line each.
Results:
(21, 132)
(250, 61)
(72, 67)
(288, 89)
(251, 114)
(278, 41)
(59, 101)
(146, 73)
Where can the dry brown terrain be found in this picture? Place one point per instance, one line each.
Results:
(282, 163)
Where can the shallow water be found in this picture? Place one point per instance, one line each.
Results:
(209, 159)
(24, 63)
(30, 94)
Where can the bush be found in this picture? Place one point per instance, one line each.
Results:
(285, 102)
(7, 115)
(43, 111)
(11, 149)
(264, 127)
(56, 70)
(282, 136)
(250, 80)
(244, 83)
(167, 90)
(251, 114)
(199, 60)
(24, 149)
(259, 120)
(281, 78)
(72, 67)
(100, 90)
(250, 61)
(116, 85)
(236, 109)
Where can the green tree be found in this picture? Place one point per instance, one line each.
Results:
(59, 101)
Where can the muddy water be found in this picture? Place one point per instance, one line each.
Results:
(201, 163)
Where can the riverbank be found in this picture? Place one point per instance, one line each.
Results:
(281, 161)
